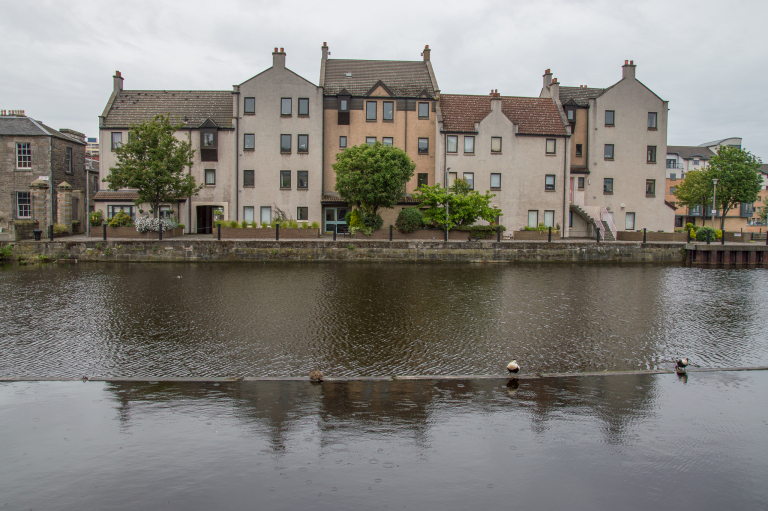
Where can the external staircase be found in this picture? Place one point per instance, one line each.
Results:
(599, 218)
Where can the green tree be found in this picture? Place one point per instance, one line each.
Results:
(465, 206)
(152, 162)
(738, 178)
(372, 176)
(695, 190)
(763, 214)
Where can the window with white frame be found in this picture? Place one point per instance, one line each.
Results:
(23, 205)
(629, 222)
(23, 155)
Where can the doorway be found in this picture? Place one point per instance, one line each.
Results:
(334, 217)
(205, 219)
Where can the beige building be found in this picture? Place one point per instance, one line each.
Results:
(617, 150)
(517, 148)
(368, 101)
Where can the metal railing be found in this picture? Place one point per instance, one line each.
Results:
(594, 212)
(606, 217)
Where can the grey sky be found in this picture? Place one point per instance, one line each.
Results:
(705, 57)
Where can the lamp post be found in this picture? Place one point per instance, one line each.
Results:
(447, 170)
(714, 202)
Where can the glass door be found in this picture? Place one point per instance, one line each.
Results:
(334, 220)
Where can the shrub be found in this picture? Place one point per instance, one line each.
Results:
(234, 223)
(409, 219)
(303, 225)
(121, 219)
(373, 222)
(315, 225)
(274, 223)
(701, 234)
(147, 224)
(59, 229)
(244, 225)
(95, 218)
(293, 224)
(284, 224)
(264, 225)
(181, 226)
(6, 252)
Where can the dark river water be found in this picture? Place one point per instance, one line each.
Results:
(273, 319)
(597, 443)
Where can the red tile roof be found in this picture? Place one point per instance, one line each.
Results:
(535, 116)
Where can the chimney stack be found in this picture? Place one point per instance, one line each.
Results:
(547, 78)
(278, 58)
(425, 53)
(118, 81)
(554, 89)
(628, 69)
(325, 51)
(12, 113)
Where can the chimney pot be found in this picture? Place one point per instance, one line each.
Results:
(426, 53)
(547, 71)
(275, 49)
(325, 43)
(631, 62)
(626, 62)
(282, 50)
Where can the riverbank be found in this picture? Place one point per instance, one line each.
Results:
(205, 249)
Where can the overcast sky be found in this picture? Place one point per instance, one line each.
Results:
(707, 58)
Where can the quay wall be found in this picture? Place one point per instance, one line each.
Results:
(204, 250)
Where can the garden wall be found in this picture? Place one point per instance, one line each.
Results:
(132, 233)
(652, 236)
(265, 233)
(536, 235)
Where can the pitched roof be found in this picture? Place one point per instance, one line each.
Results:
(579, 95)
(116, 195)
(404, 78)
(28, 127)
(534, 116)
(189, 107)
(687, 152)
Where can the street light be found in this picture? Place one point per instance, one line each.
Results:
(446, 196)
(714, 203)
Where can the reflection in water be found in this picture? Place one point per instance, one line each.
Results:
(374, 319)
(572, 443)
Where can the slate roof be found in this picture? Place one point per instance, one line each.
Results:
(534, 116)
(579, 95)
(404, 78)
(189, 107)
(687, 152)
(118, 195)
(28, 127)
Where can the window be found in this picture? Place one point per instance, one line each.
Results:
(608, 185)
(285, 179)
(24, 154)
(549, 218)
(285, 106)
(343, 142)
(695, 162)
(303, 144)
(422, 180)
(495, 181)
(370, 140)
(423, 110)
(549, 182)
(117, 140)
(452, 143)
(302, 213)
(248, 214)
(249, 107)
(389, 111)
(343, 105)
(651, 120)
(452, 177)
(209, 139)
(247, 178)
(672, 190)
(469, 144)
(386, 140)
(650, 187)
(370, 110)
(302, 179)
(608, 151)
(533, 218)
(249, 141)
(651, 154)
(495, 144)
(629, 222)
(23, 205)
(578, 150)
(266, 215)
(285, 143)
(580, 183)
(571, 114)
(210, 176)
(165, 212)
(423, 146)
(672, 176)
(469, 177)
(68, 160)
(678, 221)
(570, 219)
(610, 117)
(128, 210)
(551, 146)
(303, 106)
(671, 163)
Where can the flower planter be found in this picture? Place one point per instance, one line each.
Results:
(130, 232)
(266, 233)
(536, 235)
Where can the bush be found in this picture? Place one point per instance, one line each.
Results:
(303, 225)
(234, 224)
(147, 224)
(60, 228)
(182, 226)
(264, 225)
(541, 227)
(293, 224)
(95, 218)
(244, 225)
(284, 224)
(409, 219)
(6, 252)
(315, 225)
(121, 219)
(701, 234)
(274, 223)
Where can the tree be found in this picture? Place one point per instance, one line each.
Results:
(738, 178)
(372, 176)
(152, 162)
(465, 206)
(695, 190)
(763, 214)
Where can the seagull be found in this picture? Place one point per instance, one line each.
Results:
(316, 375)
(681, 364)
(513, 368)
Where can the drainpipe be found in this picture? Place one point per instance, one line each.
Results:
(237, 162)
(50, 184)
(87, 199)
(566, 189)
(189, 199)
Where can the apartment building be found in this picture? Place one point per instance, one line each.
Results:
(619, 135)
(369, 101)
(515, 147)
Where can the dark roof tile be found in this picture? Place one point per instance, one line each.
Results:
(403, 78)
(534, 116)
(687, 152)
(190, 108)
(579, 95)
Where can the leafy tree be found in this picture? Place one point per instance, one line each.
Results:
(763, 214)
(695, 190)
(738, 178)
(465, 206)
(372, 176)
(152, 162)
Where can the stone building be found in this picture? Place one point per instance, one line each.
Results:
(367, 101)
(32, 151)
(616, 169)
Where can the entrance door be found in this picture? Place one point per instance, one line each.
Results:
(334, 217)
(205, 219)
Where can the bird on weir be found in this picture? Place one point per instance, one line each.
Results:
(681, 364)
(513, 367)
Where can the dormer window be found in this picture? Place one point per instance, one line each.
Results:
(208, 145)
(343, 119)
(571, 113)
